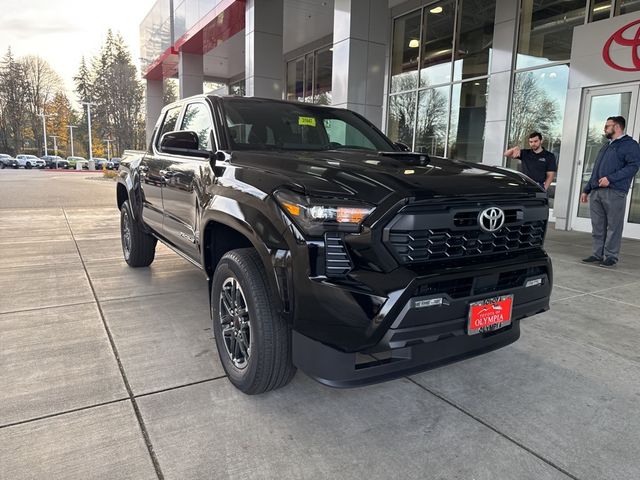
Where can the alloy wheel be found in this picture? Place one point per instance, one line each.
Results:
(234, 319)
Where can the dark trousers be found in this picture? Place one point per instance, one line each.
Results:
(607, 219)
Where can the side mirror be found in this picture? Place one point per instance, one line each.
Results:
(403, 147)
(182, 142)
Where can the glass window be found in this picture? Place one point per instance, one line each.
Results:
(546, 30)
(284, 126)
(468, 114)
(634, 210)
(308, 79)
(475, 38)
(169, 124)
(238, 89)
(433, 114)
(437, 43)
(295, 80)
(405, 52)
(323, 73)
(537, 105)
(628, 6)
(402, 117)
(601, 108)
(600, 10)
(197, 119)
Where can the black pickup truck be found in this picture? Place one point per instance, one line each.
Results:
(328, 247)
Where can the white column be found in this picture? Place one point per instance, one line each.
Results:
(495, 130)
(190, 74)
(360, 36)
(154, 106)
(263, 61)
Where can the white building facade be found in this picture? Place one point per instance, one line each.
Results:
(457, 78)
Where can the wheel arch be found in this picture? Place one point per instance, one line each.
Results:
(222, 232)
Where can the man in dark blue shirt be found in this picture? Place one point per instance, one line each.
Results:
(606, 191)
(537, 163)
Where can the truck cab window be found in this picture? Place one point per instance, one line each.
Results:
(169, 124)
(197, 119)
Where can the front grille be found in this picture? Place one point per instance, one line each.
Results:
(337, 262)
(441, 244)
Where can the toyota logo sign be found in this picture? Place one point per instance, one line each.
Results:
(628, 36)
(491, 219)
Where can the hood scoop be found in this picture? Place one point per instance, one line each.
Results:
(411, 158)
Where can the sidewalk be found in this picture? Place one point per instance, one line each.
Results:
(111, 372)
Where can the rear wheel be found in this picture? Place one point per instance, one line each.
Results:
(138, 247)
(28, 165)
(253, 340)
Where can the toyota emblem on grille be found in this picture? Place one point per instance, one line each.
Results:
(491, 219)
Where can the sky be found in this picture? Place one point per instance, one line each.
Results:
(62, 32)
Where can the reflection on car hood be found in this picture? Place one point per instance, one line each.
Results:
(373, 176)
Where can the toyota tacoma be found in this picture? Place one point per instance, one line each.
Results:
(329, 248)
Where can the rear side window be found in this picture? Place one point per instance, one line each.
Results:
(169, 124)
(197, 119)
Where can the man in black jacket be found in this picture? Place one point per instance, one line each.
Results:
(615, 166)
(537, 163)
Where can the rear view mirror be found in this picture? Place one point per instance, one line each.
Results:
(183, 142)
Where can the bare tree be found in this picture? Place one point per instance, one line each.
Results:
(41, 85)
(532, 109)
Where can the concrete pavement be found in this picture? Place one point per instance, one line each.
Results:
(110, 372)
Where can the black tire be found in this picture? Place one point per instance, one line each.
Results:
(28, 166)
(138, 247)
(1, 166)
(267, 365)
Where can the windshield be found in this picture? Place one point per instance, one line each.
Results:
(256, 125)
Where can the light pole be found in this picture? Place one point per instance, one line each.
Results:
(88, 104)
(55, 144)
(71, 127)
(44, 130)
(108, 140)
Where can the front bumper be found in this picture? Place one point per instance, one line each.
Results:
(353, 344)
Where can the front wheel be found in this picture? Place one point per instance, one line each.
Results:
(138, 247)
(253, 340)
(28, 166)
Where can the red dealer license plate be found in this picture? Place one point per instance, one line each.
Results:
(490, 314)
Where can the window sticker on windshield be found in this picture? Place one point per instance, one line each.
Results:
(307, 121)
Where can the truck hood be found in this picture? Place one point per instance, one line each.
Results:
(371, 177)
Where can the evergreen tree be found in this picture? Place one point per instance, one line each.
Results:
(12, 102)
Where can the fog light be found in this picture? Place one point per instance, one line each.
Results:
(533, 283)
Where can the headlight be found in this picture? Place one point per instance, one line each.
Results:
(318, 215)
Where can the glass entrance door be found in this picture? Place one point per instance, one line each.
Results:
(598, 105)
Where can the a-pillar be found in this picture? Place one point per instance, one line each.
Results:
(154, 106)
(360, 31)
(263, 65)
(190, 74)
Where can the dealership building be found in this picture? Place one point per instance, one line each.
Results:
(462, 79)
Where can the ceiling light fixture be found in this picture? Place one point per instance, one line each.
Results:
(436, 10)
(414, 43)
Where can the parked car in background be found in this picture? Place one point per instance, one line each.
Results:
(72, 161)
(54, 161)
(30, 161)
(114, 163)
(101, 163)
(7, 161)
